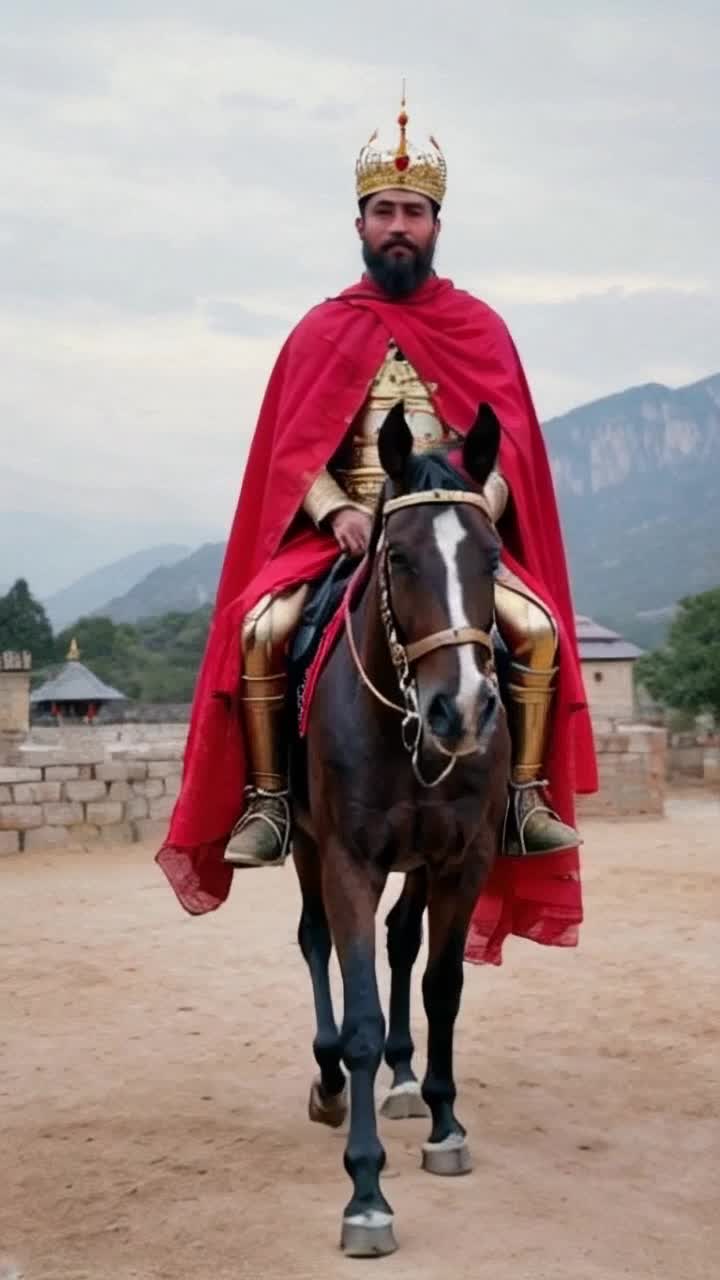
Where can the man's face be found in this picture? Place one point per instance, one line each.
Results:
(398, 231)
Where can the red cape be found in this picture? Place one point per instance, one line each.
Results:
(320, 381)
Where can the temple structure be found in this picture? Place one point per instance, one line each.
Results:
(75, 693)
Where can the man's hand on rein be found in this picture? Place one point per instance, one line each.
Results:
(351, 529)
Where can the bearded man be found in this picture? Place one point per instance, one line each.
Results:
(312, 480)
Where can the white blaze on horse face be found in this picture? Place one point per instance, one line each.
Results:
(449, 534)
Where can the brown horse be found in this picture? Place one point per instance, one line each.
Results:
(408, 764)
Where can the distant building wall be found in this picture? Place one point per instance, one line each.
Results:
(609, 689)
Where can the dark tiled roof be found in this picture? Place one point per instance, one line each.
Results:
(75, 683)
(600, 644)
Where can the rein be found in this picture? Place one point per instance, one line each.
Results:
(403, 656)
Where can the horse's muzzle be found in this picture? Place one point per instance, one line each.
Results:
(445, 720)
(456, 732)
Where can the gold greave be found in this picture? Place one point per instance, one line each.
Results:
(528, 629)
(263, 708)
(266, 635)
(530, 695)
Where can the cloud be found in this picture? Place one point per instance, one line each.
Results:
(177, 190)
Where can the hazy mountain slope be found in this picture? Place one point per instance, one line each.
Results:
(94, 589)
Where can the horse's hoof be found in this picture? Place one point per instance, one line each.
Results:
(448, 1158)
(404, 1102)
(330, 1110)
(368, 1235)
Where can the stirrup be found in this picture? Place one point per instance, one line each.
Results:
(281, 832)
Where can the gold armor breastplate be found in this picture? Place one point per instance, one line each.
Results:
(356, 465)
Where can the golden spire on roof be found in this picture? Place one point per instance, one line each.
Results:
(73, 654)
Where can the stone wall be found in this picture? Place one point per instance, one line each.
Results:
(85, 786)
(72, 735)
(76, 797)
(632, 768)
(132, 713)
(694, 758)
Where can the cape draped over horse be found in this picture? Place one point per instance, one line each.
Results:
(461, 348)
(408, 757)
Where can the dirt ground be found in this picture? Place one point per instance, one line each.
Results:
(154, 1073)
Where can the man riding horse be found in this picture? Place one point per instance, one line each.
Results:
(402, 334)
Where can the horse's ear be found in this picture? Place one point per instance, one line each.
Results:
(395, 443)
(482, 444)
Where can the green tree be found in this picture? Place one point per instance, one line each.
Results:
(24, 623)
(155, 660)
(685, 673)
(97, 638)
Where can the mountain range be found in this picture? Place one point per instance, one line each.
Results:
(181, 587)
(638, 482)
(637, 476)
(118, 578)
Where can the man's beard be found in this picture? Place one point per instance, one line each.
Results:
(399, 277)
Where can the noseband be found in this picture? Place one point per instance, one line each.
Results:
(404, 656)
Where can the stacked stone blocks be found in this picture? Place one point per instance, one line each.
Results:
(86, 796)
(632, 769)
(79, 795)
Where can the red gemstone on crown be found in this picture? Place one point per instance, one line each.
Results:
(401, 163)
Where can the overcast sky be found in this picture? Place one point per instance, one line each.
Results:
(177, 189)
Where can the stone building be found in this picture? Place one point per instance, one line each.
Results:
(607, 666)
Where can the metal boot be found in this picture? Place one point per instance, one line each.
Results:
(531, 826)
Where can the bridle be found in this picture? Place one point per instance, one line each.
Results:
(404, 656)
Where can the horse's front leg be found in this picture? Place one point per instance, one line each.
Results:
(328, 1093)
(351, 891)
(450, 903)
(404, 936)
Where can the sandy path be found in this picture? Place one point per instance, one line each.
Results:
(154, 1073)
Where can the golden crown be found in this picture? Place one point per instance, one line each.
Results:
(403, 166)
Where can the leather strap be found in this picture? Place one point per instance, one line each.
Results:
(452, 636)
(446, 496)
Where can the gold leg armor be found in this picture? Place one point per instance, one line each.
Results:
(530, 634)
(262, 836)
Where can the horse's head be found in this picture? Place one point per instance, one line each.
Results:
(441, 558)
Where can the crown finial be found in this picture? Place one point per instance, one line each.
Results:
(73, 654)
(402, 158)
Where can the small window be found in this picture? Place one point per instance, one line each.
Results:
(598, 677)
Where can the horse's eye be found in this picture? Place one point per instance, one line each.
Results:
(400, 561)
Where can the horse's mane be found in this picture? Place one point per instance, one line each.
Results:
(434, 471)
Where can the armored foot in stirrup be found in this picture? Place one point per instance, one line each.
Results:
(531, 826)
(262, 836)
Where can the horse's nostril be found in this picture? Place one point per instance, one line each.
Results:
(444, 718)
